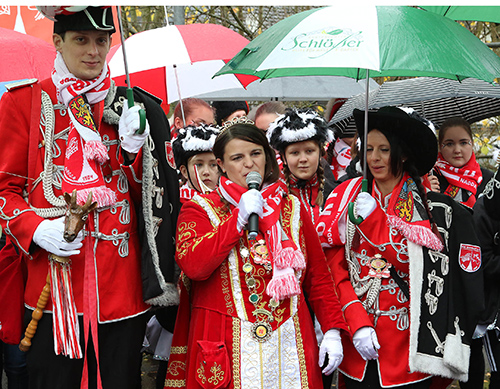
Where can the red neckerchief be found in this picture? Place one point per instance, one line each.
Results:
(186, 193)
(467, 177)
(307, 192)
(406, 213)
(284, 254)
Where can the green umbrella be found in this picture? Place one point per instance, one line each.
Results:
(354, 40)
(481, 13)
(346, 40)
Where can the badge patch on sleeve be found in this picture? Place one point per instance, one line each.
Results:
(169, 152)
(470, 257)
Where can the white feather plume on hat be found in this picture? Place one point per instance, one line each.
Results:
(193, 140)
(297, 125)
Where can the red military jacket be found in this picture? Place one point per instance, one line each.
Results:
(390, 312)
(210, 252)
(28, 149)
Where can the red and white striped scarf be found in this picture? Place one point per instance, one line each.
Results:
(285, 256)
(341, 158)
(467, 177)
(85, 152)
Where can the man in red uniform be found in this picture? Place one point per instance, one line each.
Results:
(74, 132)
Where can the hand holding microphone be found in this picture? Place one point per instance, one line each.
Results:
(251, 205)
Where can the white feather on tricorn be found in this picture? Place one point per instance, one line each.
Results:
(297, 125)
(192, 140)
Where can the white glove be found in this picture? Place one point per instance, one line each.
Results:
(250, 202)
(127, 126)
(49, 235)
(332, 345)
(365, 204)
(366, 342)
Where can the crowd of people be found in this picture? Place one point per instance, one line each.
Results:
(241, 247)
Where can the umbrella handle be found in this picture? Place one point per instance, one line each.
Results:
(350, 207)
(142, 113)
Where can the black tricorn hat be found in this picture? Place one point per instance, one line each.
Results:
(408, 126)
(79, 18)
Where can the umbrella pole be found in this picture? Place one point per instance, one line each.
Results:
(365, 130)
(364, 183)
(180, 97)
(130, 92)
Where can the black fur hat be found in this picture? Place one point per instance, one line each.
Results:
(297, 125)
(79, 18)
(192, 140)
(225, 108)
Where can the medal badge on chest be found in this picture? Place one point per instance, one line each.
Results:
(259, 252)
(379, 267)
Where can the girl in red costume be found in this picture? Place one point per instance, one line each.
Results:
(300, 137)
(245, 323)
(195, 160)
(406, 267)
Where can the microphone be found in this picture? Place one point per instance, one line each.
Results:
(254, 179)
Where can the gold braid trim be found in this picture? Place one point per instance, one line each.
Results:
(179, 350)
(236, 353)
(300, 353)
(175, 383)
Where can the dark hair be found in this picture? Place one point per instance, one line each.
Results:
(249, 133)
(454, 122)
(223, 109)
(63, 35)
(399, 150)
(188, 105)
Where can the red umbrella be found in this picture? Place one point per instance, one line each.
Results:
(184, 55)
(24, 56)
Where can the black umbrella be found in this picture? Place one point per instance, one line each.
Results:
(434, 98)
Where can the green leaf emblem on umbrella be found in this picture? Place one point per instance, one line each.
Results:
(336, 32)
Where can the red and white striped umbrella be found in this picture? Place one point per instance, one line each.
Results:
(194, 51)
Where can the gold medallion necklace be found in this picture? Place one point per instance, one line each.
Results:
(255, 256)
